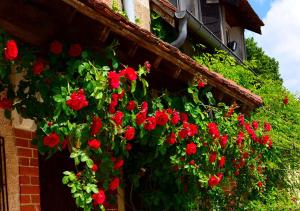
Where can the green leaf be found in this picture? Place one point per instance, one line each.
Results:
(133, 86)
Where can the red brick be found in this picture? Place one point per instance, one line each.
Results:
(35, 153)
(30, 189)
(24, 180)
(24, 161)
(37, 207)
(35, 199)
(27, 208)
(34, 162)
(25, 199)
(35, 180)
(29, 171)
(23, 134)
(24, 152)
(22, 142)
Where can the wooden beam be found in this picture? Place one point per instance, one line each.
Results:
(156, 62)
(177, 73)
(104, 34)
(133, 50)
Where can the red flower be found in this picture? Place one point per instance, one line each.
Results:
(264, 139)
(114, 80)
(96, 125)
(192, 129)
(240, 138)
(212, 157)
(183, 133)
(147, 65)
(140, 118)
(114, 184)
(77, 100)
(121, 95)
(191, 148)
(259, 184)
(175, 118)
(201, 84)
(144, 107)
(286, 100)
(99, 197)
(213, 181)
(270, 143)
(56, 47)
(184, 117)
(267, 126)
(39, 66)
(213, 130)
(111, 109)
(11, 50)
(75, 50)
(118, 164)
(223, 141)
(51, 140)
(64, 144)
(128, 147)
(131, 105)
(94, 168)
(241, 119)
(94, 144)
(5, 103)
(150, 123)
(117, 118)
(161, 118)
(192, 162)
(130, 74)
(129, 133)
(222, 162)
(255, 125)
(220, 175)
(171, 139)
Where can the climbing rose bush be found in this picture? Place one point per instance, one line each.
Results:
(104, 113)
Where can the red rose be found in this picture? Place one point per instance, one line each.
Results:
(144, 107)
(201, 84)
(75, 50)
(183, 133)
(222, 162)
(147, 65)
(51, 140)
(212, 157)
(96, 125)
(267, 126)
(270, 143)
(184, 117)
(118, 164)
(114, 80)
(39, 66)
(240, 138)
(255, 125)
(128, 147)
(259, 184)
(5, 103)
(121, 95)
(175, 118)
(131, 105)
(150, 123)
(223, 141)
(192, 162)
(114, 184)
(191, 148)
(171, 139)
(192, 129)
(213, 130)
(56, 47)
(111, 109)
(94, 144)
(140, 118)
(130, 74)
(11, 50)
(77, 100)
(117, 118)
(161, 118)
(213, 181)
(264, 139)
(94, 168)
(286, 100)
(220, 176)
(99, 197)
(129, 133)
(241, 119)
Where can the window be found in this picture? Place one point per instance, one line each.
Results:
(3, 186)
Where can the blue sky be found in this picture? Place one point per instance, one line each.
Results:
(281, 37)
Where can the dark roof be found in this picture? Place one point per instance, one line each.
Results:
(245, 14)
(100, 12)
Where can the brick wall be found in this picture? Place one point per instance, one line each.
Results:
(28, 171)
